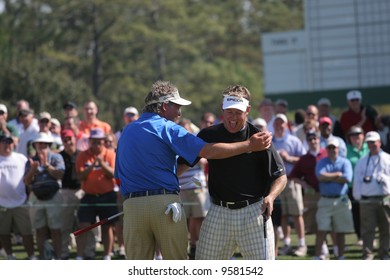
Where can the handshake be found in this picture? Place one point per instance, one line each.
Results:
(176, 211)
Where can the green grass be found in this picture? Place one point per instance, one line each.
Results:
(354, 252)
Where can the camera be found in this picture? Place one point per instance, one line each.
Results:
(367, 179)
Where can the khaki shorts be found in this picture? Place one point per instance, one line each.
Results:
(291, 199)
(334, 214)
(19, 217)
(196, 202)
(46, 212)
(310, 200)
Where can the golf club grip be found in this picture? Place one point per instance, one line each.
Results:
(80, 231)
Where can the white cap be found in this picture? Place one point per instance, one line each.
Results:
(55, 122)
(235, 102)
(43, 137)
(354, 94)
(333, 142)
(259, 122)
(3, 108)
(44, 115)
(173, 97)
(324, 101)
(282, 117)
(130, 110)
(372, 136)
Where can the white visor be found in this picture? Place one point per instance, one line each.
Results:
(235, 102)
(172, 97)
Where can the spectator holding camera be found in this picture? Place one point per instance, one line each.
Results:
(371, 186)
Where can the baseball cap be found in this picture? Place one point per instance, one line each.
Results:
(6, 137)
(130, 110)
(312, 133)
(55, 122)
(235, 102)
(69, 105)
(282, 102)
(67, 133)
(43, 137)
(372, 136)
(332, 142)
(44, 115)
(97, 133)
(325, 120)
(3, 108)
(324, 101)
(173, 97)
(259, 122)
(282, 117)
(25, 112)
(354, 94)
(355, 130)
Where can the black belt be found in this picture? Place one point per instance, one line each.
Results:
(236, 204)
(149, 193)
(331, 196)
(373, 197)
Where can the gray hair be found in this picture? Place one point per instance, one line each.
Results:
(159, 88)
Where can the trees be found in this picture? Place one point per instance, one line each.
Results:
(112, 51)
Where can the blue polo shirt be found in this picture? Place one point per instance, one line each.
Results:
(340, 165)
(147, 153)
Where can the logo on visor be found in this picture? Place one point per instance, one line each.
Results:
(234, 99)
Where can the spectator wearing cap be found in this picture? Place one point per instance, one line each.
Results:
(43, 174)
(82, 140)
(325, 110)
(358, 114)
(326, 128)
(95, 170)
(260, 123)
(91, 120)
(290, 149)
(13, 198)
(16, 122)
(333, 215)
(55, 130)
(130, 114)
(6, 128)
(281, 107)
(371, 187)
(29, 134)
(70, 109)
(356, 149)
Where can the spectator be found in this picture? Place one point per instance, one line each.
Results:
(146, 169)
(326, 129)
(6, 128)
(299, 118)
(357, 114)
(260, 124)
(207, 120)
(70, 109)
(195, 196)
(95, 170)
(42, 176)
(290, 149)
(334, 207)
(238, 191)
(91, 120)
(311, 114)
(17, 122)
(356, 149)
(325, 110)
(82, 140)
(267, 112)
(30, 132)
(55, 130)
(13, 198)
(371, 186)
(129, 115)
(281, 107)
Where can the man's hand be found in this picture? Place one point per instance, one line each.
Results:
(176, 211)
(261, 141)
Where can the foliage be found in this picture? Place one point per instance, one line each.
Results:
(52, 51)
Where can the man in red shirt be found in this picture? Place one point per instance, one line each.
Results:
(357, 114)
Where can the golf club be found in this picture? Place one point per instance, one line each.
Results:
(265, 234)
(104, 221)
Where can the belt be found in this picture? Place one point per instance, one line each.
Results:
(373, 197)
(237, 204)
(149, 193)
(331, 196)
